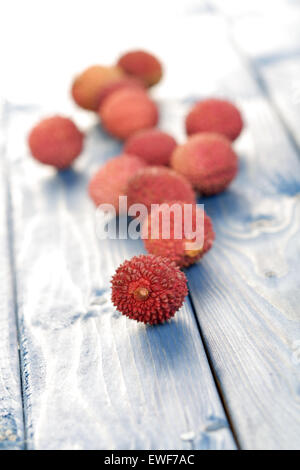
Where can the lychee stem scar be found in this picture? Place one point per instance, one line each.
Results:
(192, 253)
(141, 293)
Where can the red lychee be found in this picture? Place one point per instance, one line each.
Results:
(214, 115)
(127, 111)
(186, 240)
(155, 147)
(116, 85)
(56, 141)
(158, 184)
(148, 289)
(87, 86)
(110, 181)
(208, 161)
(143, 65)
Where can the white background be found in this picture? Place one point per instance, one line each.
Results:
(45, 43)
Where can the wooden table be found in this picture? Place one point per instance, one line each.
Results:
(225, 372)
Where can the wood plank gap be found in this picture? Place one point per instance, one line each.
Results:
(9, 221)
(92, 378)
(252, 65)
(215, 378)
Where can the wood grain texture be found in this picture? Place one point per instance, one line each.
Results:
(92, 378)
(282, 81)
(11, 415)
(246, 290)
(262, 29)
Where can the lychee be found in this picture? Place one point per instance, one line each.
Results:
(143, 65)
(87, 86)
(148, 289)
(208, 161)
(127, 111)
(110, 181)
(56, 141)
(158, 184)
(116, 85)
(215, 115)
(168, 233)
(155, 147)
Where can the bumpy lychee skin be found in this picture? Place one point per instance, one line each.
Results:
(155, 147)
(110, 181)
(187, 249)
(56, 141)
(148, 289)
(158, 184)
(128, 111)
(208, 161)
(215, 115)
(87, 86)
(116, 85)
(142, 65)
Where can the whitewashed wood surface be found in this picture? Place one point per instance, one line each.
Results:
(246, 294)
(11, 412)
(262, 29)
(93, 379)
(282, 81)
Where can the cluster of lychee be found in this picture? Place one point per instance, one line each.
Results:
(153, 169)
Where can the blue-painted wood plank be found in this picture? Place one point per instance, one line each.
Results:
(282, 81)
(246, 293)
(262, 29)
(246, 290)
(92, 378)
(11, 414)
